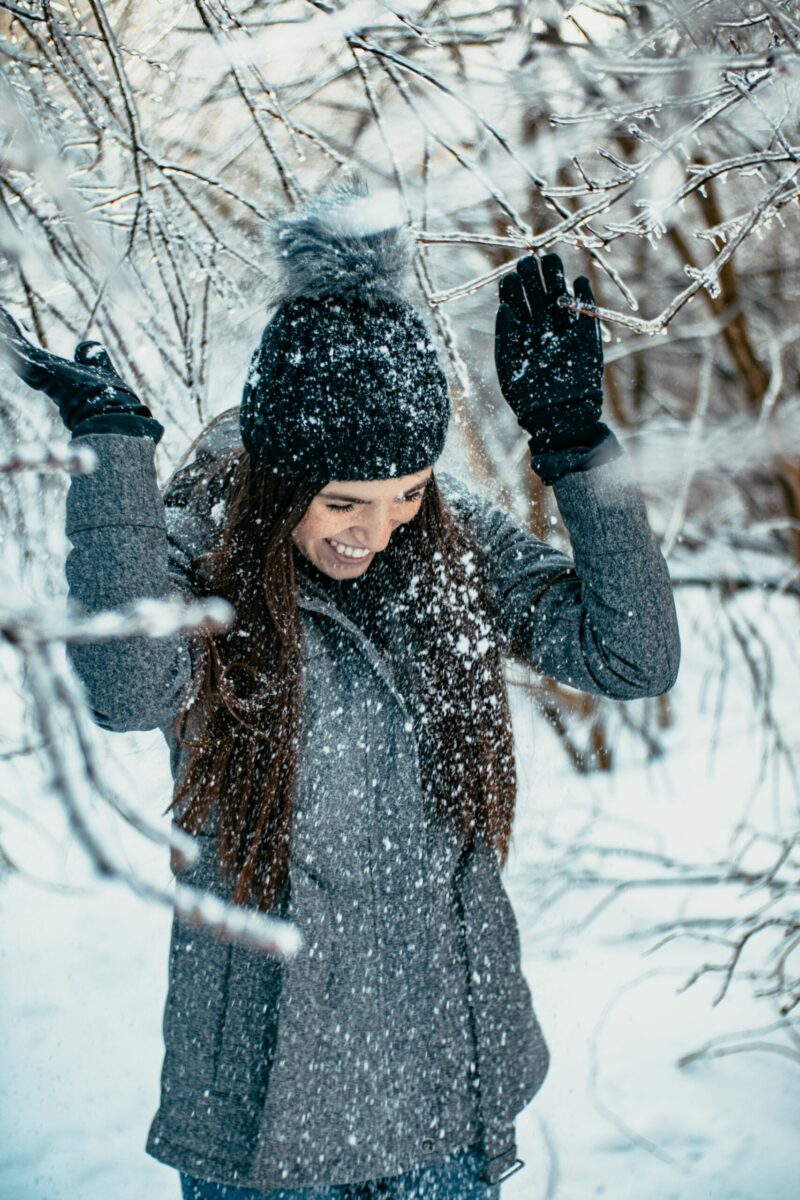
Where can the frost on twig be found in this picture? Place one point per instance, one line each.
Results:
(231, 923)
(77, 779)
(74, 460)
(142, 618)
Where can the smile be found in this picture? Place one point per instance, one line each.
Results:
(347, 551)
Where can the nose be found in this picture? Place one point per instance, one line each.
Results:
(374, 533)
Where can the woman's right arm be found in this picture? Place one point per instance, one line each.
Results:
(121, 552)
(116, 522)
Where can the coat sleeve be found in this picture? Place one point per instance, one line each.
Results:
(123, 550)
(602, 621)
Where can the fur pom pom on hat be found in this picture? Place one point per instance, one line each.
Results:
(346, 243)
(345, 383)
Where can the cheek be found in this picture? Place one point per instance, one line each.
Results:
(302, 534)
(317, 525)
(412, 511)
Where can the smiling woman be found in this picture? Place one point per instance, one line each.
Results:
(335, 544)
(343, 751)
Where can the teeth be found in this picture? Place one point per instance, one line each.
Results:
(347, 551)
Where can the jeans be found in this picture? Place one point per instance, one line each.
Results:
(454, 1179)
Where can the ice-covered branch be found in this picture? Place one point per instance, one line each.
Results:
(142, 618)
(77, 781)
(231, 923)
(74, 460)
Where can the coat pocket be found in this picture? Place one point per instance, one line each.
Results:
(249, 1030)
(194, 1017)
(513, 1057)
(200, 969)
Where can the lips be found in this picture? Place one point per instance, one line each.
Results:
(347, 558)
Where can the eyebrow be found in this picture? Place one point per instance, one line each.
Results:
(357, 500)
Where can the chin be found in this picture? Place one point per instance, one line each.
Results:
(341, 569)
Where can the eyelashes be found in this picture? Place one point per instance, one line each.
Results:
(410, 499)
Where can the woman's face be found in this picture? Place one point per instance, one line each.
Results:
(347, 524)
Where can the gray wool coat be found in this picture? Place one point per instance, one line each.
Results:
(404, 1029)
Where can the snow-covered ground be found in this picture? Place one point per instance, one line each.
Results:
(83, 975)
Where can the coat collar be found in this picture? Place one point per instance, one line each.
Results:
(312, 599)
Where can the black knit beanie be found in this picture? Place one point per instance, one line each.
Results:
(345, 383)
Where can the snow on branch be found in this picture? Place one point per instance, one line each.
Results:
(142, 618)
(243, 926)
(77, 781)
(74, 460)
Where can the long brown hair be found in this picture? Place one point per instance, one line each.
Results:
(244, 716)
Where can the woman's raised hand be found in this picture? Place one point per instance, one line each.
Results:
(549, 358)
(90, 395)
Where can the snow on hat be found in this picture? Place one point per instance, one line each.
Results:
(345, 383)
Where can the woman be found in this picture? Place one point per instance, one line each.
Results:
(343, 751)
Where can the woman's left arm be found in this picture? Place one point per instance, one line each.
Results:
(603, 621)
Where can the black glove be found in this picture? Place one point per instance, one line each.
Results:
(549, 363)
(90, 395)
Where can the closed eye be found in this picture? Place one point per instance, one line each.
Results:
(409, 498)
